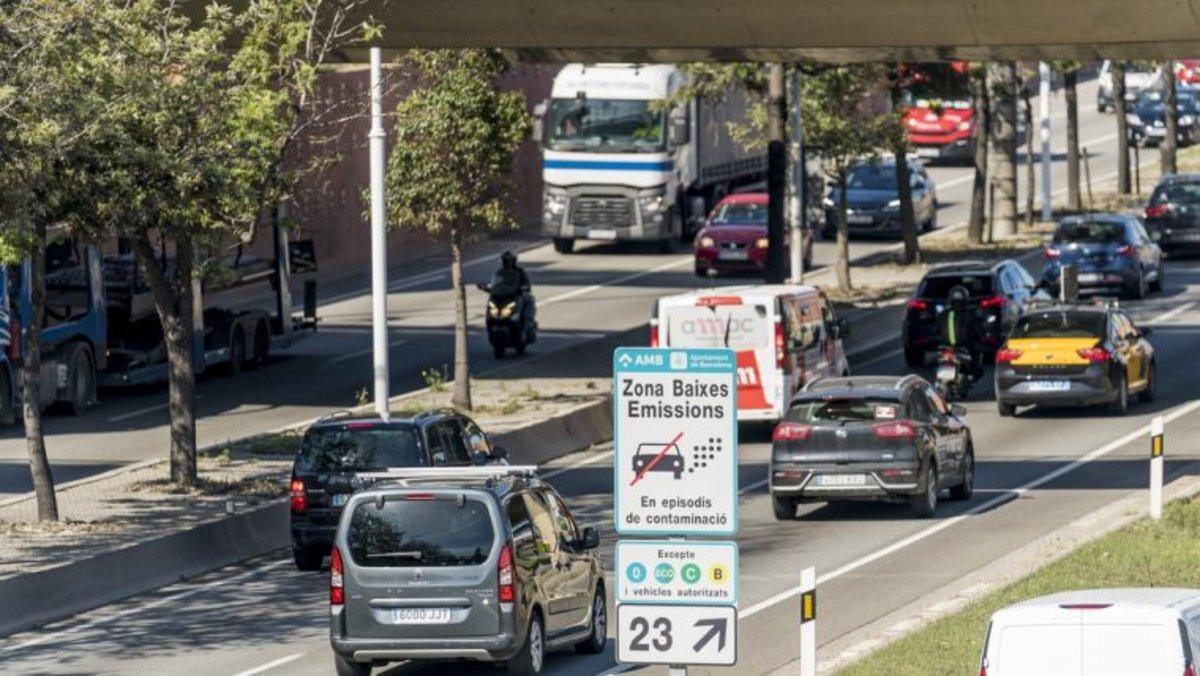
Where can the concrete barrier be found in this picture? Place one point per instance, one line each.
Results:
(40, 597)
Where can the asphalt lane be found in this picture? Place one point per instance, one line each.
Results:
(1036, 473)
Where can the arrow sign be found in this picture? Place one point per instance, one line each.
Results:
(716, 628)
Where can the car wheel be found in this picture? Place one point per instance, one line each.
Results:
(307, 558)
(784, 508)
(262, 345)
(924, 505)
(913, 357)
(1147, 395)
(1006, 410)
(237, 351)
(1138, 291)
(564, 245)
(1121, 404)
(599, 637)
(529, 660)
(1159, 282)
(348, 667)
(966, 489)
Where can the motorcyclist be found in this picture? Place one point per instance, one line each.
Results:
(508, 266)
(957, 329)
(510, 281)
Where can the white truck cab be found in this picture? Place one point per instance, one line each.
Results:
(1100, 632)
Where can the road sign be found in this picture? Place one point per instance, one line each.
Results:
(666, 634)
(675, 434)
(690, 573)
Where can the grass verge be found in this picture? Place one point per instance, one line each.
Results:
(1143, 554)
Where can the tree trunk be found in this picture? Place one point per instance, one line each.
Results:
(1124, 184)
(1171, 118)
(776, 175)
(843, 236)
(1074, 197)
(35, 440)
(1004, 102)
(462, 363)
(174, 300)
(1030, 174)
(983, 127)
(908, 221)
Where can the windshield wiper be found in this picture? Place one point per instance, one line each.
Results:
(414, 554)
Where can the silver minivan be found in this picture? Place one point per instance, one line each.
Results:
(482, 564)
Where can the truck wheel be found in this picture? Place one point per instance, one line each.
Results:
(8, 408)
(237, 351)
(82, 381)
(262, 345)
(564, 245)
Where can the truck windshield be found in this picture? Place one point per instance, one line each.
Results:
(604, 125)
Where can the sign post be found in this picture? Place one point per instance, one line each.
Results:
(675, 475)
(1156, 467)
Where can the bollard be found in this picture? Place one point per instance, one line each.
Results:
(1156, 468)
(808, 622)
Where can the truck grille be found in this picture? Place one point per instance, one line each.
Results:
(602, 211)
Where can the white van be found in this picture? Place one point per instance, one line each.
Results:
(1100, 632)
(784, 336)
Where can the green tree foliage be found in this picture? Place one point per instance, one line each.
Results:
(448, 173)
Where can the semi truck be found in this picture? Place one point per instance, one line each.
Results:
(101, 328)
(617, 164)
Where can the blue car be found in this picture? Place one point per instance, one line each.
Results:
(873, 201)
(1112, 253)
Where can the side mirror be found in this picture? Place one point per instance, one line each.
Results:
(479, 458)
(958, 410)
(482, 287)
(591, 538)
(680, 132)
(537, 135)
(499, 453)
(843, 327)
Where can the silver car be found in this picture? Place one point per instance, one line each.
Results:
(482, 564)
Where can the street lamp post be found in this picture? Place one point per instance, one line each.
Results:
(379, 327)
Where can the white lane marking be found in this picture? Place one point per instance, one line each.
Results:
(590, 460)
(363, 352)
(166, 600)
(583, 291)
(272, 664)
(143, 411)
(982, 507)
(1173, 313)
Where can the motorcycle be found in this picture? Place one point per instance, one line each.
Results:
(955, 374)
(511, 315)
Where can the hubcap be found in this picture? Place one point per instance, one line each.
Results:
(535, 646)
(599, 620)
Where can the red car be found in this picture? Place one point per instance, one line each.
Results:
(942, 130)
(735, 237)
(1188, 71)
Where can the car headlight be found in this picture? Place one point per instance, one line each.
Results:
(1187, 120)
(828, 203)
(964, 126)
(762, 242)
(706, 242)
(553, 205)
(1132, 118)
(894, 204)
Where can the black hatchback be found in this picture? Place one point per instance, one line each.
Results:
(870, 438)
(337, 447)
(1173, 214)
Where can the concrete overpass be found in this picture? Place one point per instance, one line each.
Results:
(767, 30)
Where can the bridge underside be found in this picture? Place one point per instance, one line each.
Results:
(828, 30)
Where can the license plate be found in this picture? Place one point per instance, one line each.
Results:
(1049, 386)
(420, 615)
(733, 255)
(602, 234)
(841, 479)
(928, 152)
(947, 372)
(1090, 278)
(1187, 236)
(338, 499)
(860, 219)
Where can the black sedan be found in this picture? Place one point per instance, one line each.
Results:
(1173, 214)
(1110, 253)
(873, 202)
(870, 438)
(1147, 120)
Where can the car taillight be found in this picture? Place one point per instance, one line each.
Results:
(1189, 670)
(1094, 354)
(790, 431)
(1052, 254)
(1156, 210)
(780, 354)
(506, 587)
(299, 496)
(901, 429)
(653, 335)
(993, 301)
(1125, 250)
(917, 304)
(1005, 355)
(337, 590)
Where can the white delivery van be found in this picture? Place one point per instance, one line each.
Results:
(784, 336)
(1099, 632)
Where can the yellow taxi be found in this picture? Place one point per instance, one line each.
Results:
(1069, 355)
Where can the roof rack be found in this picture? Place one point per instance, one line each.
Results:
(485, 473)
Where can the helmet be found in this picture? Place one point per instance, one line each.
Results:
(508, 258)
(958, 296)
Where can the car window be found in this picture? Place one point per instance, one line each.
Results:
(1140, 228)
(919, 407)
(938, 286)
(740, 213)
(935, 401)
(520, 522)
(1026, 278)
(1060, 324)
(847, 409)
(477, 441)
(563, 522)
(1124, 325)
(399, 533)
(1008, 280)
(1090, 231)
(447, 446)
(355, 449)
(1176, 193)
(543, 522)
